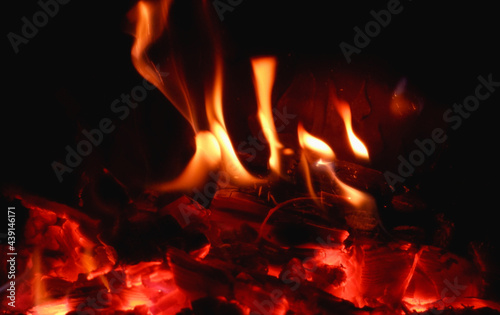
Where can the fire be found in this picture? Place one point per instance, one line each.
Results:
(318, 154)
(356, 197)
(214, 148)
(206, 158)
(214, 109)
(315, 146)
(151, 21)
(357, 145)
(264, 69)
(234, 267)
(314, 149)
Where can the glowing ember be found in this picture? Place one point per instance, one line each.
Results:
(52, 308)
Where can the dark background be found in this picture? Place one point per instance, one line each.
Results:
(66, 77)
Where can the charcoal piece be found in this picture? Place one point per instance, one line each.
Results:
(145, 240)
(329, 304)
(232, 205)
(408, 202)
(413, 234)
(486, 255)
(364, 179)
(275, 254)
(103, 196)
(138, 310)
(34, 203)
(325, 275)
(282, 191)
(293, 271)
(437, 270)
(147, 201)
(198, 279)
(192, 240)
(300, 221)
(444, 232)
(385, 272)
(211, 305)
(409, 218)
(261, 293)
(185, 210)
(463, 311)
(293, 233)
(56, 287)
(361, 216)
(247, 234)
(292, 296)
(407, 209)
(244, 256)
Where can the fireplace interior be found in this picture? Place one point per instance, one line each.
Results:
(227, 157)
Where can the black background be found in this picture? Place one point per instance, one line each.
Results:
(66, 77)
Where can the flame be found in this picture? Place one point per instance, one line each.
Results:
(318, 152)
(264, 69)
(357, 145)
(357, 198)
(313, 149)
(315, 146)
(215, 116)
(213, 146)
(151, 22)
(206, 158)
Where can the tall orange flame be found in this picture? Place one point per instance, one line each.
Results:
(215, 116)
(313, 149)
(152, 18)
(357, 145)
(264, 69)
(213, 147)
